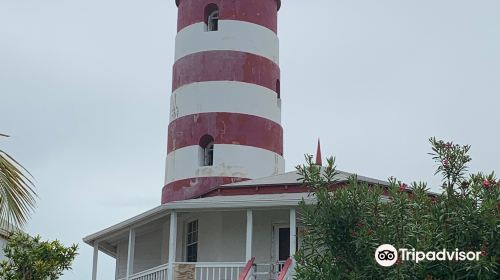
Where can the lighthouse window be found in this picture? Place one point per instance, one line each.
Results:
(278, 88)
(207, 150)
(212, 17)
(209, 154)
(213, 21)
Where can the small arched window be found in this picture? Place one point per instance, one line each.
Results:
(207, 150)
(212, 17)
(278, 88)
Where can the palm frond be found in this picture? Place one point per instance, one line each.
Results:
(17, 194)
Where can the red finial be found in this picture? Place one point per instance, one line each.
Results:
(318, 155)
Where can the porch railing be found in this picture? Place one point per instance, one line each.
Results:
(155, 273)
(217, 271)
(266, 271)
(214, 271)
(286, 272)
(248, 272)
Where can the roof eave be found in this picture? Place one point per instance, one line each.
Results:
(192, 204)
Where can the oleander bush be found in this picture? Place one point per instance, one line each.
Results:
(31, 258)
(349, 221)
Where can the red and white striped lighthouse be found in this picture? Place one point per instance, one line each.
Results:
(225, 108)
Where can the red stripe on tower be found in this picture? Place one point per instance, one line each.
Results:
(261, 12)
(225, 66)
(226, 128)
(194, 187)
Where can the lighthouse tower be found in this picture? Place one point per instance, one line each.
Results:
(225, 107)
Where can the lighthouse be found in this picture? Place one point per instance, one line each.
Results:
(228, 209)
(225, 105)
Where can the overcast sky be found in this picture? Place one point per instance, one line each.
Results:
(85, 85)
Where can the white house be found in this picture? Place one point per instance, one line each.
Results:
(6, 229)
(229, 210)
(217, 235)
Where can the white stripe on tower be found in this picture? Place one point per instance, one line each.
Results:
(227, 163)
(233, 35)
(237, 97)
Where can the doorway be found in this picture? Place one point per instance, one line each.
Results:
(281, 243)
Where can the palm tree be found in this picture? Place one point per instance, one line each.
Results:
(17, 195)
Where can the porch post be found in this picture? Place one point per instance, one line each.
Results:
(293, 232)
(172, 243)
(130, 253)
(94, 260)
(249, 235)
(117, 268)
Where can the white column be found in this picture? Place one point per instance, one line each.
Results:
(130, 253)
(172, 243)
(117, 262)
(94, 260)
(249, 235)
(293, 232)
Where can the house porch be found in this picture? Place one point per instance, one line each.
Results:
(207, 238)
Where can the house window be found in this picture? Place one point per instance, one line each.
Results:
(212, 17)
(192, 242)
(207, 150)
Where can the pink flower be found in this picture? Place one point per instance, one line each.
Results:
(445, 163)
(486, 184)
(402, 187)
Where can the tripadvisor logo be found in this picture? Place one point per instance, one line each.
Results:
(387, 255)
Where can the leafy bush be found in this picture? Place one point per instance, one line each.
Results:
(30, 258)
(350, 221)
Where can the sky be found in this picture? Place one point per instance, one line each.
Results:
(85, 85)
